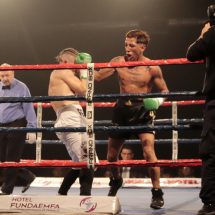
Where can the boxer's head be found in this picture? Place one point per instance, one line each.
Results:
(67, 55)
(136, 42)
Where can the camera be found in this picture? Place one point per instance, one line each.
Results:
(211, 14)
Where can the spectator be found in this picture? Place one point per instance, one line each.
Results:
(130, 172)
(185, 172)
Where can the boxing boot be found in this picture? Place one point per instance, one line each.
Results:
(68, 180)
(114, 184)
(86, 181)
(157, 199)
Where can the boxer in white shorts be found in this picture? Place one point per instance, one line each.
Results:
(65, 82)
(75, 142)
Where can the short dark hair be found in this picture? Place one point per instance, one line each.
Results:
(142, 36)
(71, 51)
(128, 147)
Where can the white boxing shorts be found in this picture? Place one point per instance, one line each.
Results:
(75, 142)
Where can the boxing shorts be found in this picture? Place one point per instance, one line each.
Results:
(130, 113)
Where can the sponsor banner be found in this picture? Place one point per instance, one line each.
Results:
(60, 204)
(128, 182)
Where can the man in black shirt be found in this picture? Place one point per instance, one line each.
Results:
(204, 49)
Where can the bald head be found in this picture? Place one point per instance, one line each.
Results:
(6, 76)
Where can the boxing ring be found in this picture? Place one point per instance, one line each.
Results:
(129, 200)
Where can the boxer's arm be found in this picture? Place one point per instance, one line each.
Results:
(78, 86)
(101, 74)
(159, 82)
(158, 79)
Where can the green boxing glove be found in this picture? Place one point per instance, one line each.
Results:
(152, 103)
(81, 59)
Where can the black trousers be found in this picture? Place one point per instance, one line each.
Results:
(11, 149)
(207, 153)
(207, 193)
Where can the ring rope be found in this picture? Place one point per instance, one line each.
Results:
(171, 96)
(100, 128)
(102, 163)
(112, 104)
(156, 122)
(137, 141)
(174, 126)
(177, 61)
(182, 103)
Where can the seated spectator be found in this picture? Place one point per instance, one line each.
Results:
(131, 172)
(127, 153)
(186, 171)
(168, 172)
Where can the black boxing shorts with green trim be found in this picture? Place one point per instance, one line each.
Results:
(130, 113)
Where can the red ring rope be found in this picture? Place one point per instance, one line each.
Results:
(102, 163)
(111, 104)
(100, 65)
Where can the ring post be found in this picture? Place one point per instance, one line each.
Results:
(39, 134)
(174, 132)
(90, 116)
